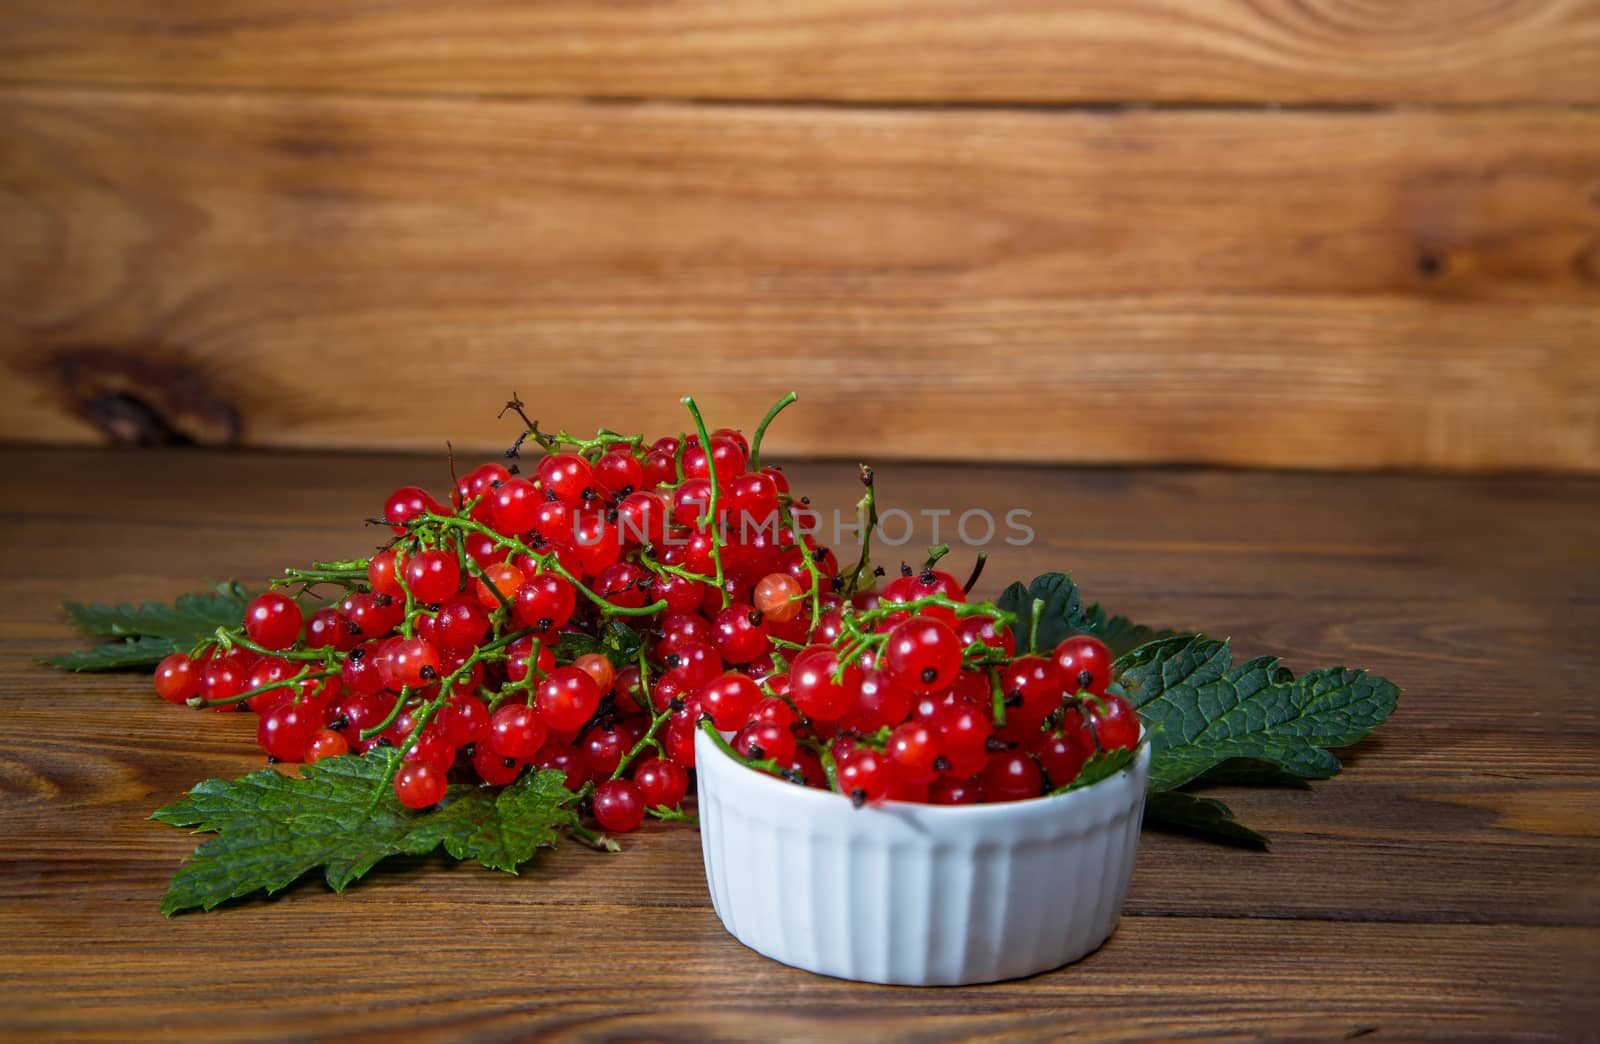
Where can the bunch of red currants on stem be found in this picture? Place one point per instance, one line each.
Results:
(587, 616)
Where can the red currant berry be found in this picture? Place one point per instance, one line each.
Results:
(177, 678)
(411, 662)
(982, 629)
(1115, 723)
(625, 585)
(618, 473)
(815, 690)
(565, 758)
(1031, 686)
(763, 740)
(567, 476)
(272, 619)
(326, 743)
(779, 597)
(407, 503)
(603, 750)
(1085, 664)
(1010, 776)
(729, 700)
(661, 783)
(567, 698)
(863, 776)
(433, 576)
(515, 731)
(774, 710)
(285, 731)
(495, 769)
(951, 790)
(923, 654)
(1062, 755)
(420, 784)
(546, 601)
(618, 805)
(464, 720)
(914, 749)
(382, 574)
(520, 659)
(740, 634)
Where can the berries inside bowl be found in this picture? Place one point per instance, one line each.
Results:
(916, 804)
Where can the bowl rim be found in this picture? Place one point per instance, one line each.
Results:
(793, 791)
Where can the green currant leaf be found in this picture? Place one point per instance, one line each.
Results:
(1102, 764)
(128, 654)
(149, 632)
(192, 617)
(616, 641)
(1203, 711)
(340, 814)
(1204, 817)
(1063, 615)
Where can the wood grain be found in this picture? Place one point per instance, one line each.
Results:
(1350, 290)
(853, 50)
(1445, 887)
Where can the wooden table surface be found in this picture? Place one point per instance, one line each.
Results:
(1447, 885)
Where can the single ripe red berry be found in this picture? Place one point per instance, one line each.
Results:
(495, 769)
(1085, 664)
(1031, 686)
(272, 619)
(326, 743)
(411, 661)
(515, 731)
(618, 805)
(545, 602)
(913, 751)
(740, 634)
(923, 654)
(567, 698)
(285, 731)
(951, 790)
(513, 506)
(1115, 722)
(982, 629)
(433, 576)
(520, 659)
(567, 476)
(729, 700)
(1062, 755)
(420, 784)
(564, 757)
(464, 720)
(819, 690)
(863, 776)
(661, 783)
(603, 750)
(407, 503)
(618, 472)
(966, 728)
(1010, 775)
(177, 678)
(382, 573)
(763, 740)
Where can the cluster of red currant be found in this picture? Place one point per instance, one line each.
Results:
(913, 694)
(585, 617)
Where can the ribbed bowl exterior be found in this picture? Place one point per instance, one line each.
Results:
(916, 895)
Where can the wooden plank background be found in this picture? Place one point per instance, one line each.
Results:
(285, 224)
(1279, 51)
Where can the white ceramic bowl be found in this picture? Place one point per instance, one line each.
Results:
(910, 894)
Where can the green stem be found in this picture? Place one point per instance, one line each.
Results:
(714, 521)
(546, 561)
(869, 504)
(761, 429)
(1033, 624)
(649, 738)
(282, 683)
